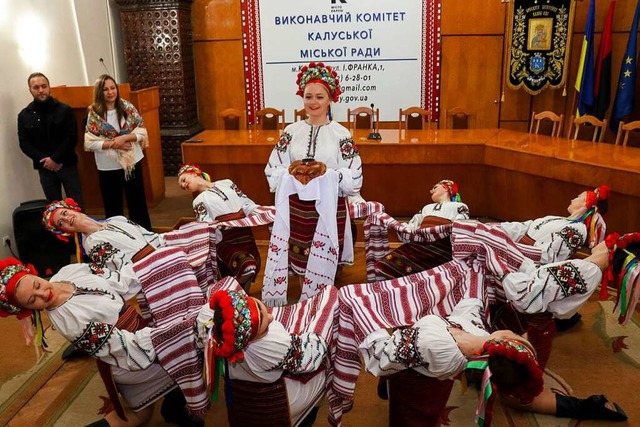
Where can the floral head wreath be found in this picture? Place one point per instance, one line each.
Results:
(452, 188)
(627, 281)
(317, 72)
(11, 271)
(195, 170)
(518, 352)
(47, 216)
(523, 355)
(600, 193)
(241, 319)
(591, 217)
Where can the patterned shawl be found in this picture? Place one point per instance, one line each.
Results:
(99, 129)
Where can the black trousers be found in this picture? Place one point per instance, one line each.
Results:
(112, 184)
(67, 177)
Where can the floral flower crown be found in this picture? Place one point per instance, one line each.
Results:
(523, 355)
(600, 193)
(452, 188)
(11, 271)
(626, 281)
(47, 216)
(193, 169)
(241, 319)
(319, 73)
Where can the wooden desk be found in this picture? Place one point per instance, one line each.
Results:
(502, 174)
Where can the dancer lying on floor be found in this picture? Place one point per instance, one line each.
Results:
(440, 349)
(258, 349)
(113, 245)
(559, 237)
(222, 200)
(528, 296)
(370, 307)
(413, 257)
(91, 313)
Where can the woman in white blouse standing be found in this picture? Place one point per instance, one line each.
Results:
(312, 170)
(115, 132)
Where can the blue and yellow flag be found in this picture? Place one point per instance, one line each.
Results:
(623, 104)
(586, 68)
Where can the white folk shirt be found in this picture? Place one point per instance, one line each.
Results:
(221, 199)
(87, 319)
(556, 236)
(448, 210)
(427, 346)
(560, 288)
(112, 248)
(266, 359)
(330, 144)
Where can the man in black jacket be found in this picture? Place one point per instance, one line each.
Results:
(47, 133)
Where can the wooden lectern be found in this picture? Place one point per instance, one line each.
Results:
(147, 101)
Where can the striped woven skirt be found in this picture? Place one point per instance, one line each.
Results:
(237, 253)
(303, 219)
(414, 257)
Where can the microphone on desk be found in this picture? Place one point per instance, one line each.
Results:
(374, 135)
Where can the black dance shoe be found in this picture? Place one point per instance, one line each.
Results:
(566, 324)
(592, 408)
(174, 410)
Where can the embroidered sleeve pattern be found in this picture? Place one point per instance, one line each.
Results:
(463, 210)
(200, 210)
(406, 348)
(283, 143)
(348, 149)
(238, 191)
(305, 354)
(99, 255)
(95, 335)
(113, 346)
(571, 237)
(568, 278)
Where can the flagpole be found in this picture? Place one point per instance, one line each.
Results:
(574, 99)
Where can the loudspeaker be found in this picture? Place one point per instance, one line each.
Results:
(36, 245)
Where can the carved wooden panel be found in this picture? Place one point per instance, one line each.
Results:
(158, 47)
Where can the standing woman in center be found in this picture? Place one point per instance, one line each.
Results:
(115, 132)
(312, 169)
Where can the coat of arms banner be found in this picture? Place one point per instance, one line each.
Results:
(538, 48)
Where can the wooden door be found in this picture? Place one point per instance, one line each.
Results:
(471, 77)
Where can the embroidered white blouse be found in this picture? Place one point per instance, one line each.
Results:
(267, 358)
(448, 210)
(331, 144)
(87, 319)
(556, 236)
(560, 288)
(426, 346)
(112, 248)
(221, 199)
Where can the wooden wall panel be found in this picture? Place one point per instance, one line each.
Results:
(472, 60)
(623, 16)
(471, 74)
(216, 20)
(473, 17)
(148, 102)
(516, 104)
(219, 78)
